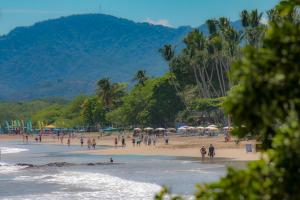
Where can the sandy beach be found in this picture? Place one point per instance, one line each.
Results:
(178, 146)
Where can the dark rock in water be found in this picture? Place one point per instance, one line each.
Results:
(64, 164)
(91, 164)
(58, 164)
(24, 164)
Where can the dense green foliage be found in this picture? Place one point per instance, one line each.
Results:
(266, 103)
(25, 110)
(154, 103)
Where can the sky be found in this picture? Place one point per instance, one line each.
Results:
(173, 13)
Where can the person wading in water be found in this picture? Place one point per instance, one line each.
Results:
(203, 152)
(211, 151)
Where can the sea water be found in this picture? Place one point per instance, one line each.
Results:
(131, 177)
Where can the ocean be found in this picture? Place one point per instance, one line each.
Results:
(54, 172)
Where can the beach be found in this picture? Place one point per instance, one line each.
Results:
(53, 170)
(179, 146)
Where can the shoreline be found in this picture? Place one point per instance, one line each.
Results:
(188, 147)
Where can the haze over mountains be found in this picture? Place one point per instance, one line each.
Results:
(66, 56)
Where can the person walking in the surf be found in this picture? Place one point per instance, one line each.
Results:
(211, 151)
(203, 152)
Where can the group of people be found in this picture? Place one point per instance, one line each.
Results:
(211, 152)
(91, 143)
(123, 142)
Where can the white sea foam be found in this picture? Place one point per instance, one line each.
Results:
(7, 168)
(7, 150)
(92, 186)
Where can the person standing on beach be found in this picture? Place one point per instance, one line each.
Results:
(94, 143)
(89, 142)
(203, 152)
(211, 151)
(69, 141)
(81, 141)
(133, 141)
(123, 142)
(166, 139)
(116, 142)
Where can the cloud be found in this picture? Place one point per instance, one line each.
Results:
(163, 22)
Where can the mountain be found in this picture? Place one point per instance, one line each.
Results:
(66, 56)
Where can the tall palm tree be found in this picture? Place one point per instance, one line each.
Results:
(253, 29)
(104, 90)
(167, 52)
(140, 77)
(212, 26)
(245, 17)
(255, 18)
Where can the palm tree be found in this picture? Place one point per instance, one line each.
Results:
(167, 52)
(212, 26)
(104, 90)
(140, 77)
(255, 18)
(245, 18)
(253, 29)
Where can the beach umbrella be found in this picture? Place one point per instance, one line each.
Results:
(212, 128)
(171, 129)
(182, 128)
(200, 128)
(148, 129)
(228, 128)
(190, 128)
(160, 129)
(137, 129)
